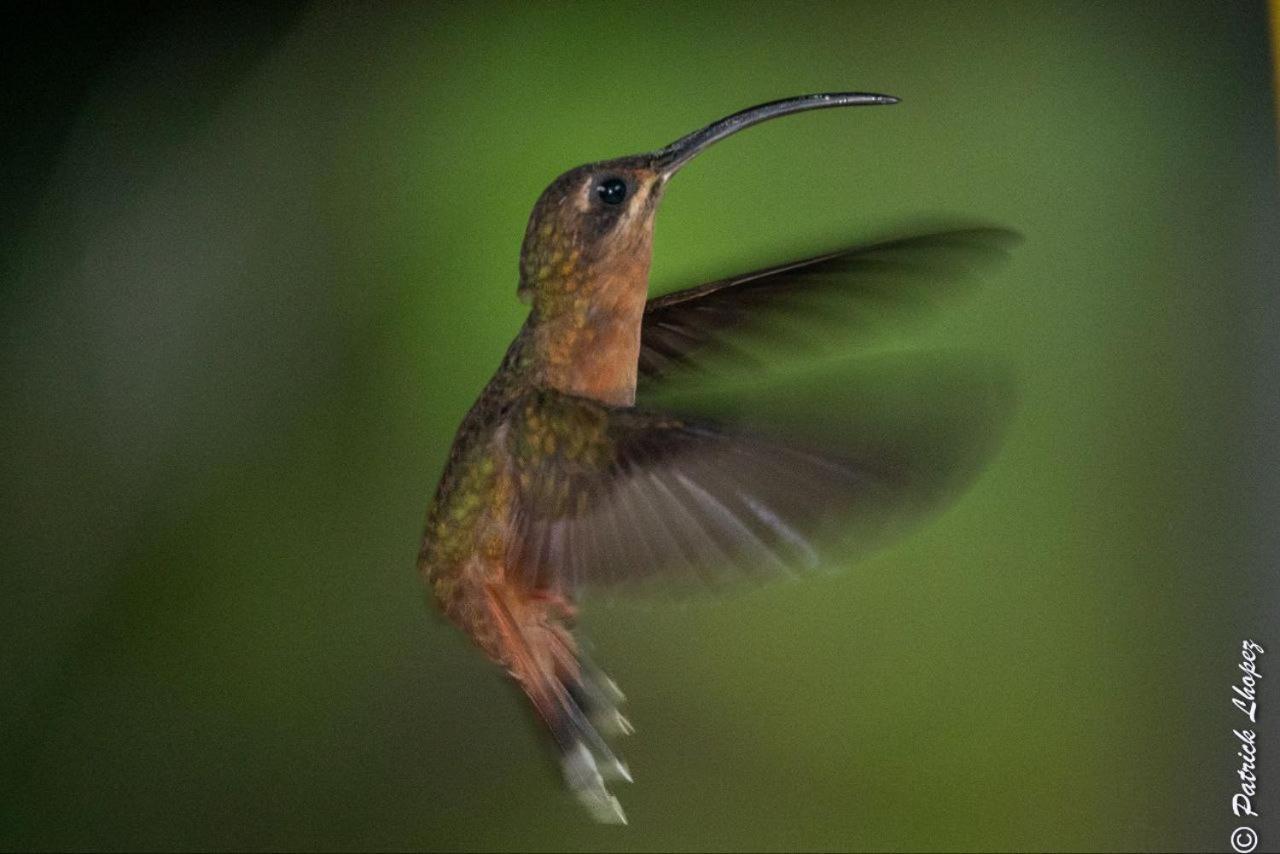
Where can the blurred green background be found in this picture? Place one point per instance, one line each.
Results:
(258, 261)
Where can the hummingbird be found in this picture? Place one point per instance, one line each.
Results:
(557, 481)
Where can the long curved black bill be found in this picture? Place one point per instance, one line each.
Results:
(667, 160)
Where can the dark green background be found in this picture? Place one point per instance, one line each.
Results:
(257, 262)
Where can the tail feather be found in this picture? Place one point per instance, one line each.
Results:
(576, 700)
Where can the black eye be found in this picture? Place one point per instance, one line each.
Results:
(612, 191)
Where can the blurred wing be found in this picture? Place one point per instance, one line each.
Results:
(853, 288)
(610, 495)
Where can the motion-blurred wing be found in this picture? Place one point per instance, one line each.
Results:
(609, 495)
(852, 289)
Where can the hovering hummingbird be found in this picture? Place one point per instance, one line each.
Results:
(556, 479)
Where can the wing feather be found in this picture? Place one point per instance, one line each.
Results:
(853, 288)
(664, 497)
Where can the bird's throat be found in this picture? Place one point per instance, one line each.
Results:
(588, 338)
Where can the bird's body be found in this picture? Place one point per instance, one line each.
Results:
(467, 555)
(557, 480)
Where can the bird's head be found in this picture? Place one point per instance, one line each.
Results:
(595, 217)
(593, 226)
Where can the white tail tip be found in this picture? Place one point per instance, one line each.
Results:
(583, 777)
